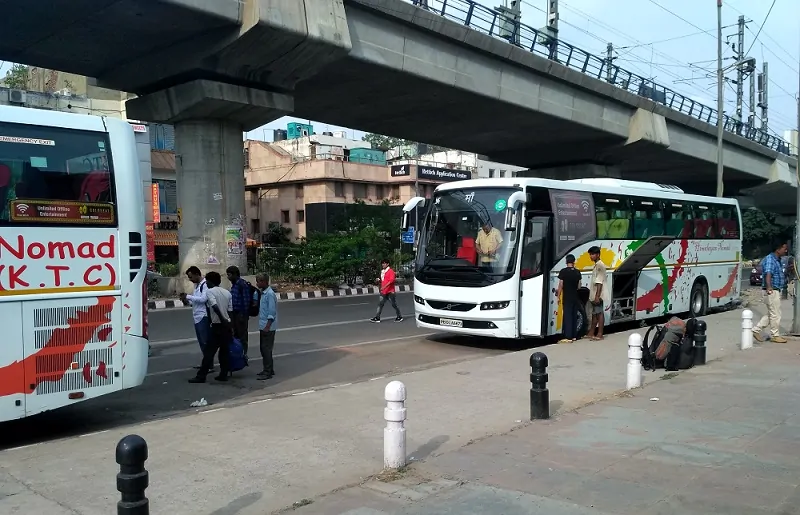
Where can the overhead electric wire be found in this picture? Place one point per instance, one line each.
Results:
(680, 17)
(760, 28)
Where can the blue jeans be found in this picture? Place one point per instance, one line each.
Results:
(203, 330)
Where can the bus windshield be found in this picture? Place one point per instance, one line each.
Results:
(463, 241)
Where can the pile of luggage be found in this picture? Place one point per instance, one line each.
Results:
(669, 346)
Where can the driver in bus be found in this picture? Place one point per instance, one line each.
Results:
(487, 243)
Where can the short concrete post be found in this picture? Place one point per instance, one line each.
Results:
(700, 342)
(540, 395)
(132, 479)
(747, 329)
(634, 361)
(394, 435)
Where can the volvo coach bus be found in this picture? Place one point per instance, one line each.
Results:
(72, 260)
(666, 252)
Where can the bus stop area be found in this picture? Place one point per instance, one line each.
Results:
(719, 439)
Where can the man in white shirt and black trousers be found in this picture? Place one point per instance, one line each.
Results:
(219, 304)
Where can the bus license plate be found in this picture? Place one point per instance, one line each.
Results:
(449, 322)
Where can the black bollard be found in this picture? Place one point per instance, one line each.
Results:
(540, 395)
(700, 342)
(132, 479)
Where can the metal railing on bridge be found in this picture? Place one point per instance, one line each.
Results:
(494, 23)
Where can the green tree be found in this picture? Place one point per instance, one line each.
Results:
(17, 77)
(277, 235)
(381, 142)
(759, 229)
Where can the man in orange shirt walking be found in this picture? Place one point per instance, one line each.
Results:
(387, 292)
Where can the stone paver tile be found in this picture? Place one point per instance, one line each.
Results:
(687, 505)
(669, 476)
(741, 489)
(614, 495)
(775, 450)
(462, 465)
(579, 460)
(535, 478)
(680, 454)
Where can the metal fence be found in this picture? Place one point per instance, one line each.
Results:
(492, 22)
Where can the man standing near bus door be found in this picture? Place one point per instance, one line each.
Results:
(198, 298)
(387, 282)
(219, 302)
(596, 285)
(773, 282)
(267, 325)
(569, 280)
(241, 299)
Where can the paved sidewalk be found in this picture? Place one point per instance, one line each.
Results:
(721, 439)
(266, 455)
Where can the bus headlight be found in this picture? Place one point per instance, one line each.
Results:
(419, 300)
(495, 305)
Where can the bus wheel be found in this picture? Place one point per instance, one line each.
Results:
(699, 300)
(583, 323)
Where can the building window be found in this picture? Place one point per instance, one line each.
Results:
(298, 191)
(359, 190)
(247, 158)
(301, 216)
(502, 173)
(256, 226)
(396, 191)
(285, 216)
(491, 173)
(338, 188)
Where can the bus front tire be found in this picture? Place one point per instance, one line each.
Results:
(583, 322)
(698, 301)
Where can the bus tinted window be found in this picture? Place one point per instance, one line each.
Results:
(678, 219)
(648, 219)
(727, 222)
(704, 224)
(51, 175)
(613, 217)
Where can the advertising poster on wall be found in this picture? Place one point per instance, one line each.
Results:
(574, 219)
(234, 240)
(150, 241)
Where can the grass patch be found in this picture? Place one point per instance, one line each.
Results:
(389, 475)
(669, 376)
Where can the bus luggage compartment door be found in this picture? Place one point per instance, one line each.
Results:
(72, 350)
(12, 370)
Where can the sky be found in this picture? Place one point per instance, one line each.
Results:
(672, 41)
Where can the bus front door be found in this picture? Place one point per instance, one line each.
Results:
(534, 264)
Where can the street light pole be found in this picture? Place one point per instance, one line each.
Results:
(796, 247)
(720, 101)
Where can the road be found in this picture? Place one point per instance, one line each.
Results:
(319, 342)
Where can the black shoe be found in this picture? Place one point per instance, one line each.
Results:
(221, 377)
(375, 320)
(398, 319)
(197, 379)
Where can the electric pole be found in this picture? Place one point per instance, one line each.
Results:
(510, 16)
(763, 96)
(739, 73)
(751, 115)
(609, 61)
(796, 246)
(552, 27)
(720, 100)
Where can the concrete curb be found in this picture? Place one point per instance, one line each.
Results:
(294, 295)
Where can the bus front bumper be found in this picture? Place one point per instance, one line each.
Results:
(452, 323)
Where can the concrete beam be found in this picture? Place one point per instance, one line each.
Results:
(647, 128)
(579, 171)
(208, 100)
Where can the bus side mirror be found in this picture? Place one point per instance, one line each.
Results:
(410, 205)
(511, 219)
(515, 202)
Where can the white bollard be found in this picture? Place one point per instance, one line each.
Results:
(394, 435)
(634, 361)
(747, 329)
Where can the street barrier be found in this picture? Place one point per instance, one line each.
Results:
(540, 395)
(700, 342)
(394, 434)
(747, 329)
(132, 479)
(634, 361)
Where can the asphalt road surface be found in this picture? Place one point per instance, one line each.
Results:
(319, 342)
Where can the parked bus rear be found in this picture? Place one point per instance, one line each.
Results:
(72, 260)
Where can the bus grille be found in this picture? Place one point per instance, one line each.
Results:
(63, 362)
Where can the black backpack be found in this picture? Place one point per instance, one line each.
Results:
(255, 300)
(669, 346)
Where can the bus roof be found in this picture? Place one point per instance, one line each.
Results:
(593, 185)
(48, 118)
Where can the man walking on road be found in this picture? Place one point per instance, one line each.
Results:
(241, 300)
(267, 325)
(387, 282)
(198, 298)
(219, 301)
(772, 284)
(569, 280)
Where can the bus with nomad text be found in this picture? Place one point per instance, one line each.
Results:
(72, 260)
(666, 252)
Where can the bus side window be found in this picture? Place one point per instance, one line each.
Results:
(613, 217)
(679, 220)
(648, 219)
(704, 224)
(727, 222)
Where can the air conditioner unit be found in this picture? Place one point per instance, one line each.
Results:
(17, 96)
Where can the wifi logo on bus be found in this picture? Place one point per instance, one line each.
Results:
(585, 205)
(23, 208)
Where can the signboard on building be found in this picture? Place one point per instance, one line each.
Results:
(156, 203)
(150, 242)
(407, 236)
(442, 174)
(401, 170)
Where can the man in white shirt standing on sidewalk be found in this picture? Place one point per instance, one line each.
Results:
(198, 299)
(221, 334)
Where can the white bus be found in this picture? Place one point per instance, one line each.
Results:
(666, 252)
(72, 260)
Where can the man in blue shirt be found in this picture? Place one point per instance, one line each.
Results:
(772, 283)
(240, 305)
(267, 325)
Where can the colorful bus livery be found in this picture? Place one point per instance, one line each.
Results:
(72, 260)
(667, 252)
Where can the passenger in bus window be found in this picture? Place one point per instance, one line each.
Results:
(596, 296)
(569, 280)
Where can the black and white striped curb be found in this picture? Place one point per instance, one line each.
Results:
(293, 295)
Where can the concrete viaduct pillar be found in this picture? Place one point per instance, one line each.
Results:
(209, 119)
